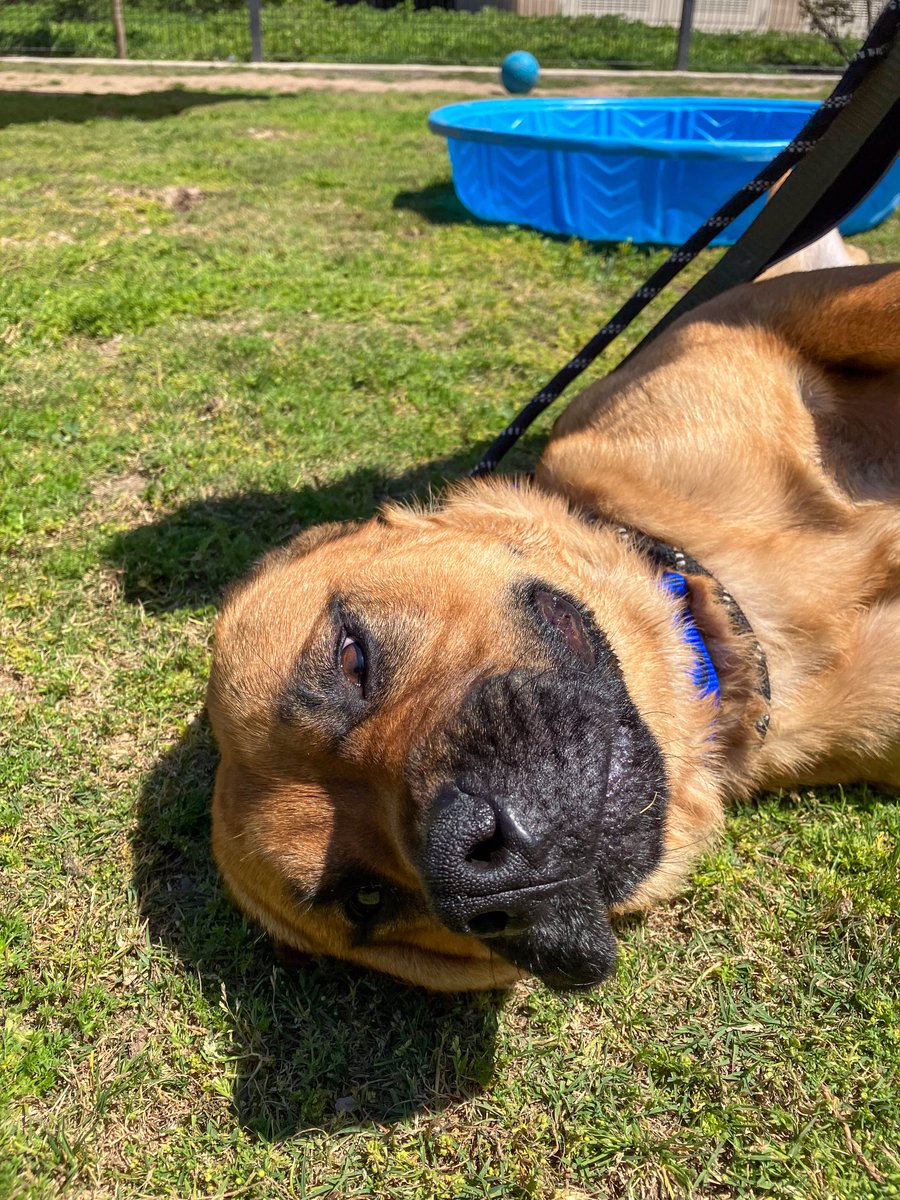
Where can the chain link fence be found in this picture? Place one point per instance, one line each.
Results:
(733, 35)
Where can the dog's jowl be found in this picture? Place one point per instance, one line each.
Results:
(455, 741)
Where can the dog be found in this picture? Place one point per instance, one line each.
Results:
(455, 741)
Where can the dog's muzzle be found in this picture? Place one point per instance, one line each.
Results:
(546, 807)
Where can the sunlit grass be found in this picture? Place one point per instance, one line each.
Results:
(310, 323)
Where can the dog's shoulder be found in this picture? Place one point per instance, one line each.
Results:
(755, 393)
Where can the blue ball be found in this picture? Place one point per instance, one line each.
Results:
(519, 72)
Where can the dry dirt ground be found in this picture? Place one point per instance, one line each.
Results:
(132, 81)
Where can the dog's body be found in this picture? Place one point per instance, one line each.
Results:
(454, 741)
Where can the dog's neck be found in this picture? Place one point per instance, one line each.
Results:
(679, 565)
(730, 663)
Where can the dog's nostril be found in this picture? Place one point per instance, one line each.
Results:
(497, 834)
(489, 924)
(489, 852)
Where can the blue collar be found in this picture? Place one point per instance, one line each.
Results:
(703, 673)
(676, 565)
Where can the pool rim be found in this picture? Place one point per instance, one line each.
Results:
(442, 121)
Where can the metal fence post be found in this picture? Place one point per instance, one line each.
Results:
(118, 18)
(682, 58)
(256, 45)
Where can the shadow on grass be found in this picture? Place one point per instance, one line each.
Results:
(187, 559)
(325, 1046)
(322, 1046)
(439, 204)
(30, 108)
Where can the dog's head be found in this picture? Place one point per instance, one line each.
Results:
(446, 741)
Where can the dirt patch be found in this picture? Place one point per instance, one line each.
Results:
(49, 239)
(129, 83)
(133, 83)
(181, 199)
(131, 484)
(14, 683)
(119, 499)
(273, 135)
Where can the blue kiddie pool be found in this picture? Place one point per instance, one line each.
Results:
(624, 170)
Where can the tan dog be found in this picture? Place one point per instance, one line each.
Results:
(455, 740)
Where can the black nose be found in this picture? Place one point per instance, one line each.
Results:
(483, 865)
(526, 835)
(490, 875)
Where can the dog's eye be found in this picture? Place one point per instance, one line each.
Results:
(364, 904)
(353, 663)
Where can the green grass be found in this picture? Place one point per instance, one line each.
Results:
(183, 387)
(319, 30)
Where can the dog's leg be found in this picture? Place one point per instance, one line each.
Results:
(839, 319)
(846, 326)
(829, 251)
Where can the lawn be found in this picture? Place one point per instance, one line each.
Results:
(222, 317)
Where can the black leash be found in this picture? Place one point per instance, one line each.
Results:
(861, 146)
(849, 159)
